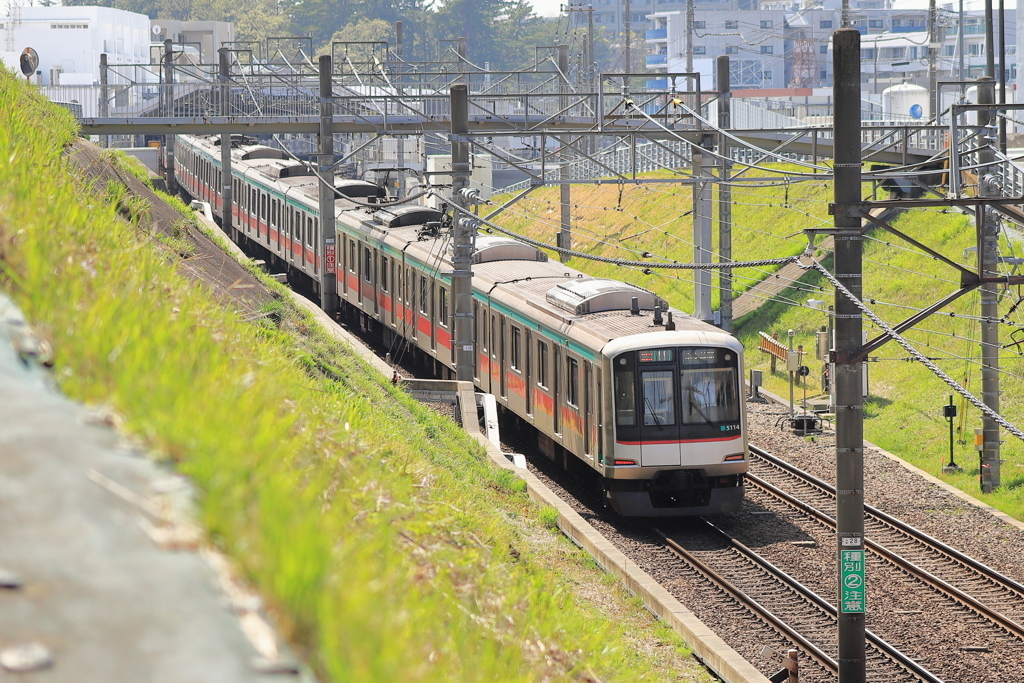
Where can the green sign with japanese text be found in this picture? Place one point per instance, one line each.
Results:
(851, 581)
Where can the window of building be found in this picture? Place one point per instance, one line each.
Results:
(698, 24)
(897, 23)
(823, 75)
(875, 23)
(825, 23)
(766, 75)
(766, 23)
(974, 49)
(767, 49)
(61, 26)
(823, 48)
(948, 50)
(698, 49)
(732, 24)
(516, 348)
(731, 49)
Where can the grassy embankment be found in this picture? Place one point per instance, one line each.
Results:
(386, 545)
(904, 412)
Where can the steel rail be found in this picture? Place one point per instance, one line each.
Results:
(890, 651)
(903, 527)
(897, 560)
(761, 612)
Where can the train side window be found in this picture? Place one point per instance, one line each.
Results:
(423, 296)
(383, 273)
(494, 336)
(310, 231)
(351, 256)
(481, 320)
(514, 348)
(443, 303)
(625, 396)
(263, 207)
(572, 382)
(658, 397)
(542, 364)
(367, 264)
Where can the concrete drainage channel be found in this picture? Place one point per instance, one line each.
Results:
(711, 650)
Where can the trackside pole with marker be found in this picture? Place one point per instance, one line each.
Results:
(849, 369)
(463, 239)
(325, 167)
(169, 183)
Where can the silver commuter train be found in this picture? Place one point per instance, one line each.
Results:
(655, 408)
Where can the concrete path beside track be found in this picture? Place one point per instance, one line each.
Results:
(108, 601)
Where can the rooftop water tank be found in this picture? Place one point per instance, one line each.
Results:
(905, 102)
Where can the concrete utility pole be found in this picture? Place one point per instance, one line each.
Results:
(463, 240)
(689, 43)
(1002, 73)
(226, 194)
(400, 141)
(172, 187)
(933, 51)
(849, 374)
(701, 235)
(104, 103)
(325, 168)
(627, 29)
(565, 193)
(988, 236)
(990, 49)
(724, 195)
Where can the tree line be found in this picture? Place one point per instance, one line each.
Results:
(501, 33)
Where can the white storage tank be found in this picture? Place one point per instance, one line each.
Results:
(905, 102)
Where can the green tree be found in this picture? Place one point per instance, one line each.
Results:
(253, 19)
(362, 31)
(478, 21)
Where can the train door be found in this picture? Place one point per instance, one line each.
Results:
(527, 375)
(503, 361)
(659, 431)
(556, 386)
(444, 327)
(588, 407)
(599, 414)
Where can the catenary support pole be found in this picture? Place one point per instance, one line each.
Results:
(1002, 73)
(564, 239)
(701, 236)
(463, 239)
(400, 140)
(849, 374)
(170, 184)
(628, 35)
(104, 103)
(933, 53)
(990, 48)
(226, 194)
(325, 168)
(988, 234)
(724, 195)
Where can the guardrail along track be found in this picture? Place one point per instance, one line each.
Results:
(998, 598)
(771, 596)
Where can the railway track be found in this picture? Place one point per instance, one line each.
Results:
(768, 594)
(997, 598)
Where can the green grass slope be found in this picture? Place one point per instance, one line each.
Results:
(386, 545)
(657, 219)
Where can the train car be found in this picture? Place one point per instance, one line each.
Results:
(599, 368)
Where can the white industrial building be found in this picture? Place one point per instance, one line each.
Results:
(70, 40)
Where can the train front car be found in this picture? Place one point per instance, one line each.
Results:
(680, 445)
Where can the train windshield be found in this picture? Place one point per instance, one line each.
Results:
(707, 380)
(681, 392)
